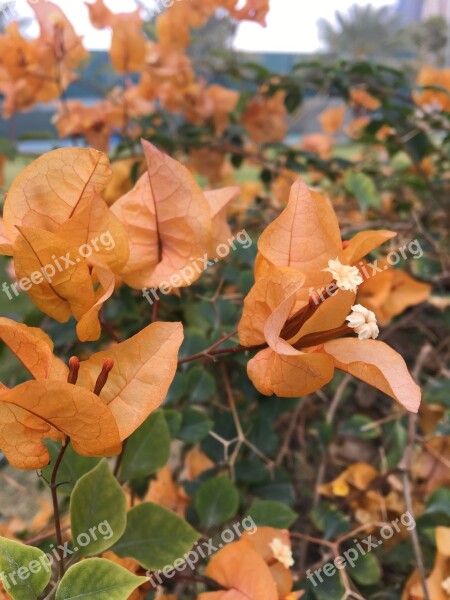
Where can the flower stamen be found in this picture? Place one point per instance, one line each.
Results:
(74, 367)
(108, 364)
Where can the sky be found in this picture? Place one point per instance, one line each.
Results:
(291, 24)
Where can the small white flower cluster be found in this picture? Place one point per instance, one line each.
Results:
(281, 552)
(362, 320)
(446, 585)
(347, 278)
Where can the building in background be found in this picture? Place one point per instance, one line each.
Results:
(411, 10)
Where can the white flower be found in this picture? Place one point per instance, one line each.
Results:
(282, 552)
(346, 277)
(446, 586)
(364, 322)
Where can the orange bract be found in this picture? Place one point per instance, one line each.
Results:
(434, 98)
(143, 369)
(63, 237)
(292, 311)
(38, 70)
(170, 223)
(242, 572)
(332, 119)
(128, 43)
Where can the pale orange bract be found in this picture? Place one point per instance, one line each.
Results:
(144, 367)
(284, 309)
(170, 222)
(38, 70)
(52, 209)
(128, 43)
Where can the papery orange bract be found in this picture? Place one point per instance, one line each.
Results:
(54, 210)
(293, 253)
(254, 10)
(438, 581)
(431, 463)
(36, 410)
(51, 189)
(163, 490)
(70, 290)
(144, 367)
(33, 348)
(170, 223)
(242, 572)
(265, 118)
(362, 99)
(261, 540)
(122, 178)
(331, 119)
(128, 43)
(318, 143)
(40, 69)
(390, 292)
(356, 128)
(358, 476)
(433, 99)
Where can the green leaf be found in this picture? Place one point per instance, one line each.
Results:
(268, 513)
(325, 586)
(437, 511)
(201, 385)
(97, 501)
(195, 426)
(71, 469)
(99, 579)
(360, 426)
(155, 536)
(216, 501)
(148, 449)
(366, 570)
(173, 419)
(24, 570)
(363, 188)
(395, 438)
(330, 520)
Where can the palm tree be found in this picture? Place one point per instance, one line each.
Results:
(365, 32)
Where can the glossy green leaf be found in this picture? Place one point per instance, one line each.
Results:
(268, 513)
(216, 501)
(98, 579)
(155, 536)
(97, 511)
(148, 449)
(195, 425)
(24, 570)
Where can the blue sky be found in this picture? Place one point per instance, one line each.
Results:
(292, 24)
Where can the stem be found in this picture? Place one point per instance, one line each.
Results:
(54, 492)
(405, 466)
(43, 536)
(213, 353)
(119, 459)
(155, 311)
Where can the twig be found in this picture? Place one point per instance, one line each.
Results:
(405, 466)
(54, 492)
